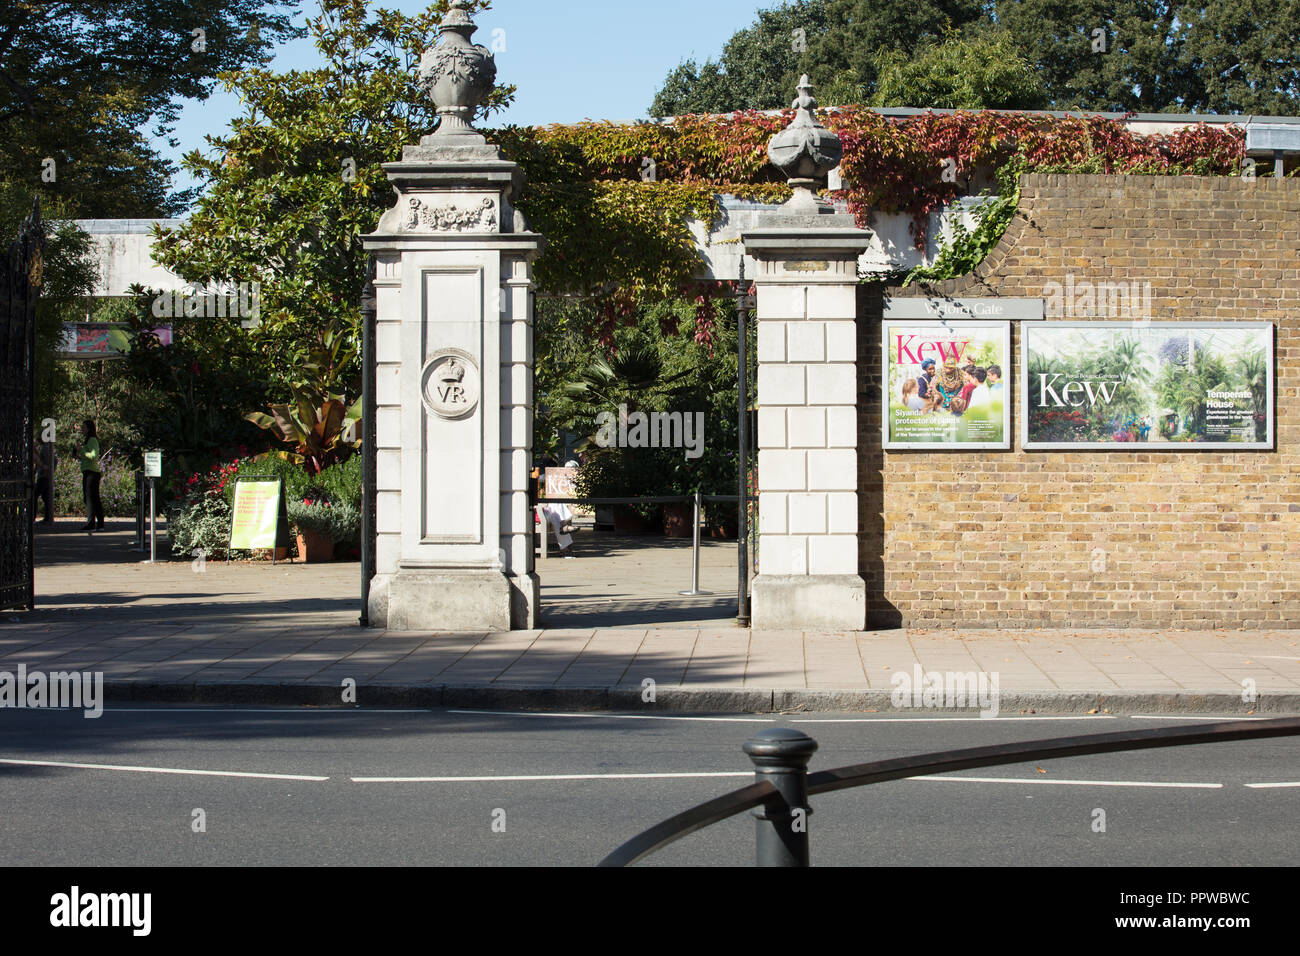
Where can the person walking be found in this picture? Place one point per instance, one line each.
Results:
(91, 472)
(43, 472)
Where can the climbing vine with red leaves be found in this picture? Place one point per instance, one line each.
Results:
(615, 202)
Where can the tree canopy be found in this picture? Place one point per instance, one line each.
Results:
(758, 69)
(300, 179)
(80, 80)
(961, 72)
(1226, 56)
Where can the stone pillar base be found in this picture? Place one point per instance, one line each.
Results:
(832, 602)
(526, 600)
(468, 600)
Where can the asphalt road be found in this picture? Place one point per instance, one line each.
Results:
(1030, 815)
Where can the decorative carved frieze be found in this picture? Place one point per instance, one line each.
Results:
(419, 216)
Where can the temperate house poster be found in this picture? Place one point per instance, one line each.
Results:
(1135, 386)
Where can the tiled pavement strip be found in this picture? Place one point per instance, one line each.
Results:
(288, 634)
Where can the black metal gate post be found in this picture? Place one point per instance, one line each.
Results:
(742, 463)
(369, 430)
(19, 288)
(781, 758)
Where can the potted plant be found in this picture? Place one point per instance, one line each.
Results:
(320, 524)
(312, 521)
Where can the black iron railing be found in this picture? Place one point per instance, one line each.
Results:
(783, 784)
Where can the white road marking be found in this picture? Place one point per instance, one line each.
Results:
(598, 714)
(171, 770)
(1270, 786)
(551, 776)
(936, 720)
(295, 710)
(1074, 783)
(1212, 719)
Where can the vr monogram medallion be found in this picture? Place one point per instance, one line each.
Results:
(450, 384)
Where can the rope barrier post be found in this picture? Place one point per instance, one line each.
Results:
(780, 757)
(153, 521)
(695, 553)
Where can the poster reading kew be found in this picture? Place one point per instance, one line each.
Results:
(946, 384)
(1135, 385)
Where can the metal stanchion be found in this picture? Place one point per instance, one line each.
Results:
(153, 521)
(695, 554)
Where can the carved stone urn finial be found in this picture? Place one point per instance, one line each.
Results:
(805, 151)
(456, 73)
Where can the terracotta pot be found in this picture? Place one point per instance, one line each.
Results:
(314, 548)
(677, 519)
(725, 531)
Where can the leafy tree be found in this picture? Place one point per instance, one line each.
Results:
(79, 79)
(843, 60)
(188, 397)
(299, 179)
(759, 67)
(1228, 56)
(1102, 54)
(965, 72)
(1244, 54)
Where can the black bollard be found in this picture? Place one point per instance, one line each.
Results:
(780, 757)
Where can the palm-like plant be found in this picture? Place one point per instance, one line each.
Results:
(319, 424)
(634, 378)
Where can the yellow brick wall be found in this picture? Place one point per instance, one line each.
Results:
(1191, 539)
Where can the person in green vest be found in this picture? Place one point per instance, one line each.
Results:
(91, 472)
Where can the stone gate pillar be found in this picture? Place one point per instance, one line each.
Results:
(454, 375)
(807, 394)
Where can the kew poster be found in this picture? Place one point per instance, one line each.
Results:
(946, 384)
(1131, 386)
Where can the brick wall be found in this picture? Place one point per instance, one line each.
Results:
(1191, 539)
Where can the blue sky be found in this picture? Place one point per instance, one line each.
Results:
(571, 59)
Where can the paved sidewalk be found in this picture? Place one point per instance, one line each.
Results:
(726, 669)
(288, 634)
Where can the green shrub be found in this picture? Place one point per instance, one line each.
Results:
(340, 523)
(342, 483)
(200, 525)
(116, 488)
